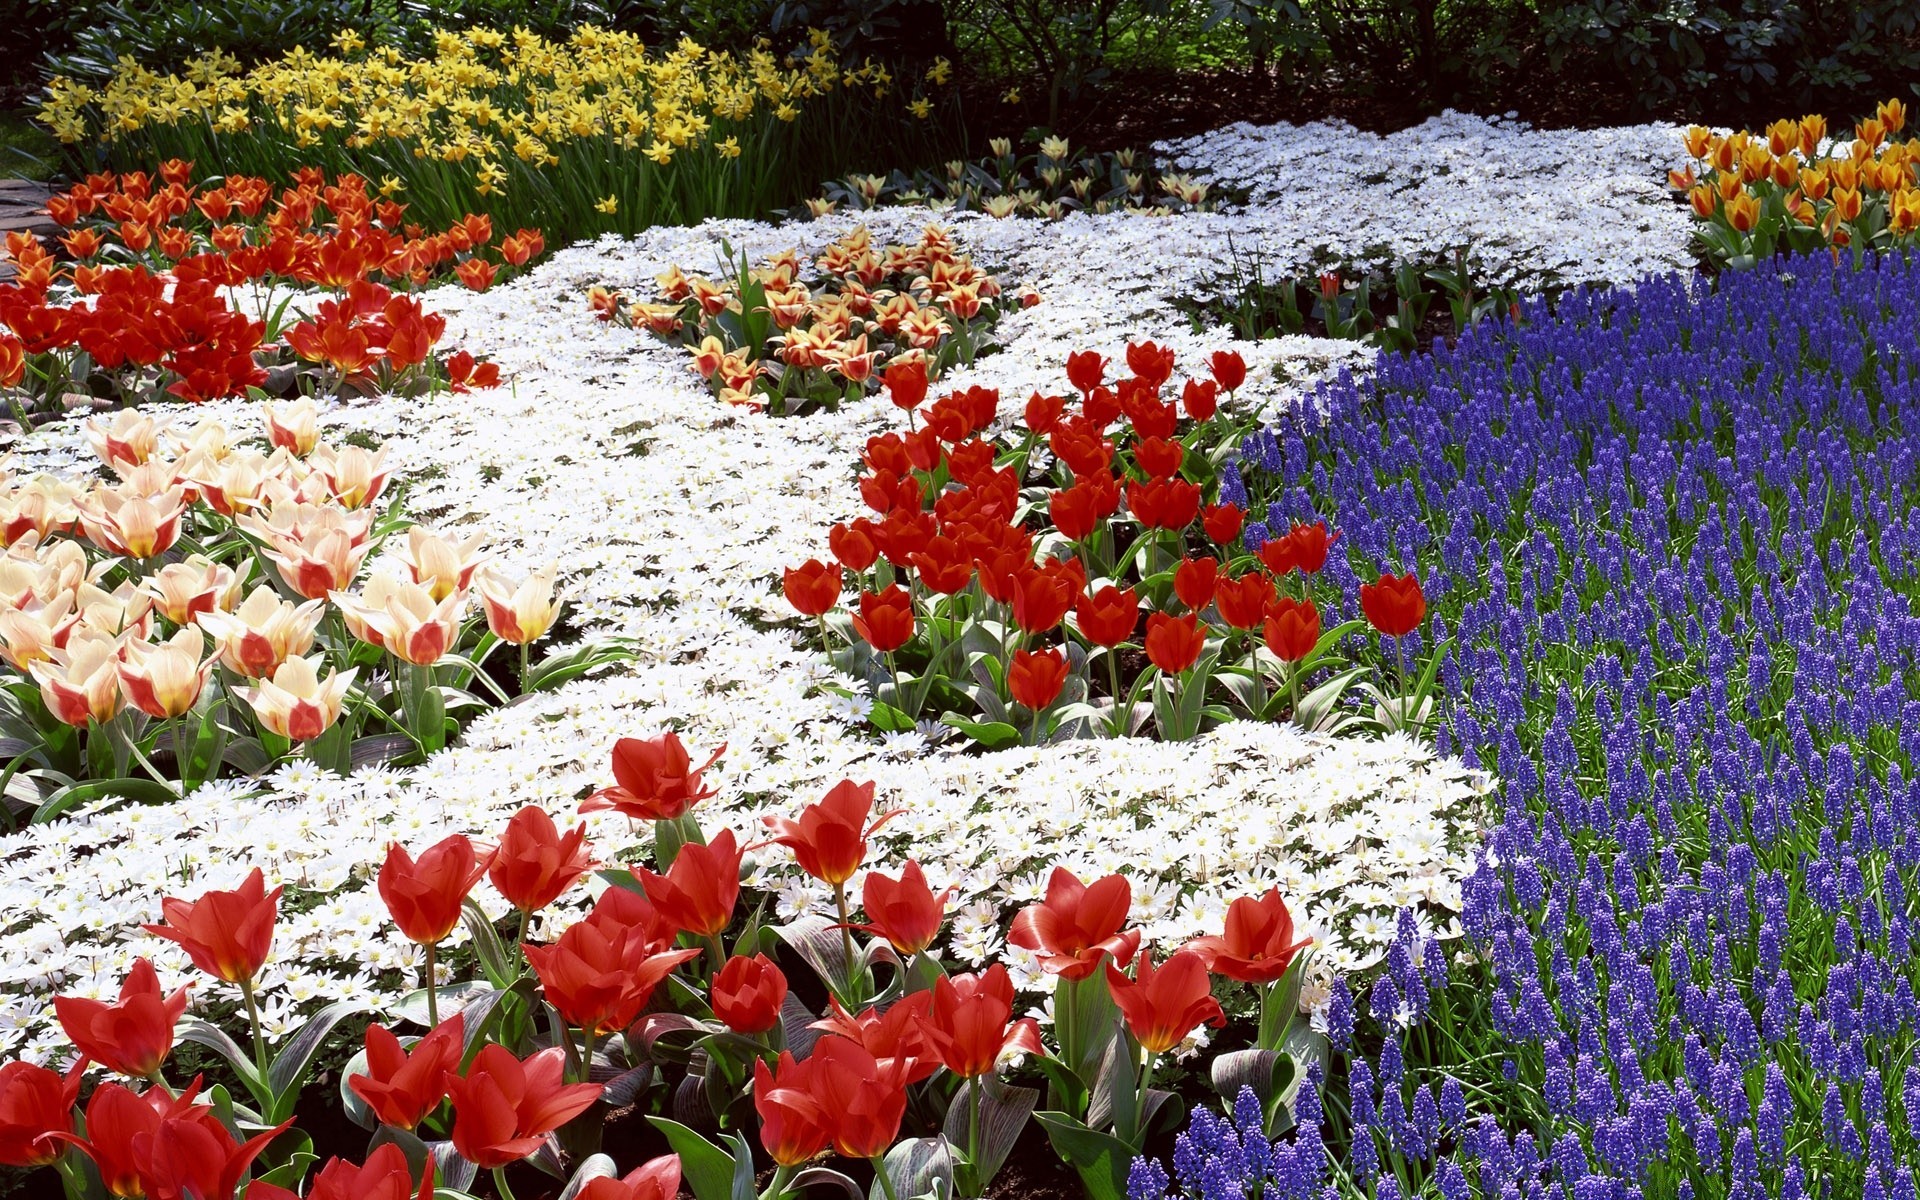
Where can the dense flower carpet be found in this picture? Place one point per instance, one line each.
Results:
(1613, 903)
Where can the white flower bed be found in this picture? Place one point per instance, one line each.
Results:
(672, 516)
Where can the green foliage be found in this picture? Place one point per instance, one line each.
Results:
(1650, 57)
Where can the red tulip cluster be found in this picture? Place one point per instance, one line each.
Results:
(634, 987)
(1126, 525)
(150, 255)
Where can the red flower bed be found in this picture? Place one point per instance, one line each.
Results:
(667, 989)
(1083, 575)
(146, 304)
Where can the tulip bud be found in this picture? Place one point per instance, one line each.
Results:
(81, 682)
(748, 993)
(263, 632)
(296, 703)
(183, 590)
(164, 681)
(524, 612)
(440, 565)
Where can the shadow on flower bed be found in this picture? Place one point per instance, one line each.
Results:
(1672, 535)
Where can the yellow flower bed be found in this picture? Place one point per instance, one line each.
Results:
(674, 133)
(1795, 188)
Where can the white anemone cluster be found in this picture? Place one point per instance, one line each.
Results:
(671, 517)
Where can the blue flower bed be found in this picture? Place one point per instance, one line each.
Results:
(1674, 534)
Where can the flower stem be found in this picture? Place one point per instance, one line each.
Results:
(846, 942)
(500, 1183)
(428, 980)
(1146, 1085)
(1113, 679)
(973, 1133)
(253, 1019)
(880, 1173)
(782, 1175)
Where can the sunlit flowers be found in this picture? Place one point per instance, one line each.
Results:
(295, 702)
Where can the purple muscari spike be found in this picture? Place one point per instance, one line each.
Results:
(1840, 1131)
(1773, 1113)
(1147, 1180)
(1671, 531)
(1426, 1122)
(1340, 1016)
(1453, 1103)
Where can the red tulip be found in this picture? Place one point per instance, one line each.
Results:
(385, 1176)
(1150, 362)
(599, 975)
(534, 864)
(120, 1128)
(1077, 924)
(425, 895)
(654, 779)
(852, 545)
(793, 1129)
(1108, 617)
(656, 1180)
(945, 566)
(1310, 544)
(1162, 1006)
(1200, 397)
(35, 1102)
(813, 588)
(1243, 602)
(1041, 600)
(747, 994)
(1222, 522)
(1292, 628)
(192, 1154)
(1229, 369)
(1035, 679)
(1276, 554)
(1160, 458)
(896, 1037)
(227, 934)
(903, 911)
(1394, 604)
(401, 1086)
(906, 383)
(133, 1035)
(503, 1109)
(1174, 643)
(886, 618)
(1194, 581)
(1075, 511)
(858, 1096)
(970, 1025)
(1258, 945)
(1086, 370)
(698, 892)
(1163, 503)
(1044, 412)
(830, 839)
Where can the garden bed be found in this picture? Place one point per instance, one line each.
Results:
(672, 516)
